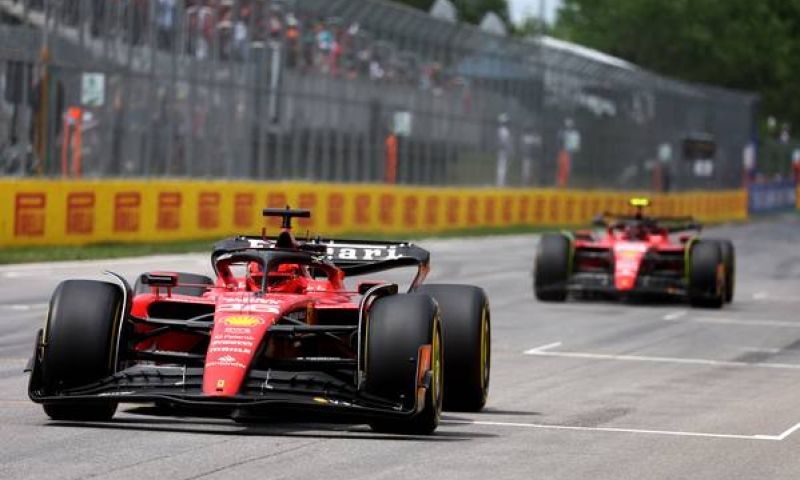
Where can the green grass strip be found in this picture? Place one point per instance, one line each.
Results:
(118, 250)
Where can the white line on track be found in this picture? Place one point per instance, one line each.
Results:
(749, 323)
(534, 351)
(10, 360)
(772, 438)
(675, 315)
(545, 352)
(760, 295)
(36, 269)
(789, 431)
(681, 316)
(19, 307)
(761, 349)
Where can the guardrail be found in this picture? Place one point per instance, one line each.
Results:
(57, 212)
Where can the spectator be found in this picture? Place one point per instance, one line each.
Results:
(225, 32)
(201, 27)
(275, 23)
(376, 72)
(138, 10)
(240, 36)
(165, 23)
(292, 40)
(308, 40)
(324, 46)
(503, 149)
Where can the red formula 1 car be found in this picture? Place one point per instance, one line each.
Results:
(636, 254)
(277, 333)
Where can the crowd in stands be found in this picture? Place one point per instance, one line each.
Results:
(235, 30)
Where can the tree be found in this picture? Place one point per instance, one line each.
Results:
(738, 44)
(529, 27)
(473, 11)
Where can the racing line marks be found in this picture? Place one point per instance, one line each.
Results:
(642, 358)
(771, 438)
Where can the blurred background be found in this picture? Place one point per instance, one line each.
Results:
(419, 92)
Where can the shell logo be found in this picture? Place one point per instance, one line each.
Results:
(243, 321)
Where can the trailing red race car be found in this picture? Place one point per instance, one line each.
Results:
(277, 333)
(636, 254)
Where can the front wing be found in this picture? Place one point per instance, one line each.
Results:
(601, 282)
(308, 395)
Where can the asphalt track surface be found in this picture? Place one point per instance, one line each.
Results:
(579, 390)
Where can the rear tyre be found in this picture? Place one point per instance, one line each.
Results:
(552, 268)
(706, 275)
(80, 339)
(183, 277)
(466, 325)
(398, 326)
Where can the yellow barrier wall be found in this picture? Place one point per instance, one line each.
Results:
(58, 212)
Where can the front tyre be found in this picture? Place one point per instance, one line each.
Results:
(80, 340)
(466, 323)
(400, 328)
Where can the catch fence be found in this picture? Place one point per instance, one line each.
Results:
(343, 91)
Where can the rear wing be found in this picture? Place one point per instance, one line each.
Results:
(358, 257)
(353, 257)
(670, 223)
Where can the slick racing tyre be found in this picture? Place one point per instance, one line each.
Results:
(552, 268)
(467, 344)
(398, 326)
(183, 277)
(706, 275)
(80, 338)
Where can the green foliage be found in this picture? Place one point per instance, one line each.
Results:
(473, 11)
(530, 26)
(742, 44)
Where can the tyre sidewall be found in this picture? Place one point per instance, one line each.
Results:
(80, 334)
(706, 285)
(466, 324)
(551, 271)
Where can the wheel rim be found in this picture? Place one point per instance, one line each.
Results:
(721, 277)
(436, 387)
(485, 351)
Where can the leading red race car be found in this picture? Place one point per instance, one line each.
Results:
(636, 255)
(277, 333)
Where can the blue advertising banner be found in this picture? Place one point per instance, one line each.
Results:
(772, 197)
